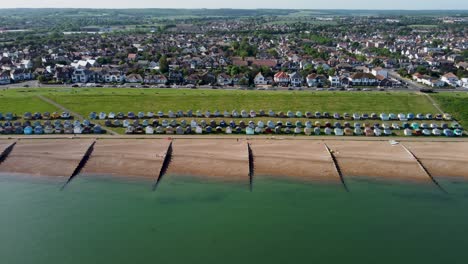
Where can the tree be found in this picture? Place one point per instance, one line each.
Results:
(163, 64)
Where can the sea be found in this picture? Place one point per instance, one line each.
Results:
(186, 220)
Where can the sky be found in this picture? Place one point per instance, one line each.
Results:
(244, 4)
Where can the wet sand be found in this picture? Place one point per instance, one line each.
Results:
(377, 160)
(220, 160)
(442, 159)
(57, 158)
(127, 158)
(304, 161)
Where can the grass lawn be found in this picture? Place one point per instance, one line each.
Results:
(22, 101)
(455, 104)
(85, 100)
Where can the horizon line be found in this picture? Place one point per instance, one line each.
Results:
(229, 8)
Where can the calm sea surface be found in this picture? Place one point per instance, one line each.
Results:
(97, 220)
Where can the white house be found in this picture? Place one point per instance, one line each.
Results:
(224, 79)
(260, 79)
(295, 79)
(114, 77)
(464, 83)
(450, 78)
(334, 81)
(281, 78)
(363, 79)
(4, 78)
(380, 71)
(80, 76)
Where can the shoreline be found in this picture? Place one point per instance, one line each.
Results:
(227, 160)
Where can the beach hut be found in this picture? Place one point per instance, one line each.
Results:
(420, 116)
(426, 132)
(55, 115)
(410, 116)
(58, 129)
(228, 130)
(444, 126)
(36, 116)
(189, 113)
(170, 114)
(76, 123)
(317, 124)
(141, 115)
(356, 116)
(414, 125)
(299, 114)
(261, 113)
(108, 123)
(87, 130)
(358, 131)
(429, 117)
(308, 124)
(126, 123)
(169, 130)
(392, 116)
(328, 124)
(297, 130)
(78, 129)
(120, 115)
(279, 123)
(374, 116)
(47, 130)
(357, 125)
(458, 132)
(227, 114)
(180, 113)
(328, 131)
(346, 124)
(238, 130)
(260, 124)
(232, 124)
(338, 132)
(159, 130)
(385, 126)
(97, 129)
(271, 124)
(348, 131)
(337, 125)
(65, 115)
(130, 130)
(183, 123)
(425, 126)
(9, 129)
(369, 132)
(405, 125)
(268, 130)
(258, 130)
(287, 130)
(384, 117)
(242, 124)
(208, 129)
(193, 124)
(150, 115)
(455, 125)
(244, 114)
(86, 122)
(213, 123)
(207, 114)
(251, 124)
(27, 116)
(117, 123)
(307, 131)
(102, 116)
(290, 114)
(160, 114)
(199, 130)
(149, 130)
(179, 130)
(111, 115)
(253, 114)
(235, 114)
(68, 129)
(325, 115)
(317, 131)
(408, 132)
(219, 129)
(289, 124)
(434, 125)
(28, 130)
(299, 124)
(271, 113)
(309, 115)
(448, 132)
(318, 115)
(164, 123)
(281, 114)
(436, 132)
(155, 122)
(387, 132)
(188, 130)
(135, 123)
(346, 116)
(93, 115)
(365, 116)
(19, 130)
(1, 115)
(145, 123)
(173, 123)
(336, 116)
(131, 115)
(278, 130)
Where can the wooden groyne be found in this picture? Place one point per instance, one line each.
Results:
(251, 166)
(165, 166)
(337, 167)
(6, 151)
(81, 164)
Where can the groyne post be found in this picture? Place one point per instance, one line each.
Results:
(337, 167)
(251, 166)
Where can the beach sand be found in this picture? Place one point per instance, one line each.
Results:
(297, 160)
(127, 158)
(51, 157)
(4, 144)
(377, 160)
(220, 160)
(442, 159)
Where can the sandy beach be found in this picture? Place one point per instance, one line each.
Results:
(221, 160)
(377, 160)
(127, 158)
(305, 161)
(443, 159)
(57, 158)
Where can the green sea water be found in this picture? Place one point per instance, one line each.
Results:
(99, 220)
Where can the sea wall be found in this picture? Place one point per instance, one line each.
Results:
(230, 160)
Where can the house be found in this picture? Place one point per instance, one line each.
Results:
(363, 79)
(242, 79)
(380, 71)
(260, 79)
(464, 83)
(155, 79)
(134, 78)
(175, 77)
(295, 79)
(224, 80)
(281, 78)
(4, 78)
(315, 80)
(451, 79)
(334, 81)
(80, 76)
(114, 76)
(19, 75)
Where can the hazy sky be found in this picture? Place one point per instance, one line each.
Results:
(293, 4)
